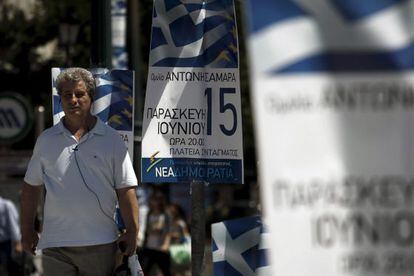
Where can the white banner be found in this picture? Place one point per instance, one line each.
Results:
(333, 101)
(192, 127)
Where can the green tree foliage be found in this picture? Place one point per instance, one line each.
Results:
(23, 67)
(22, 34)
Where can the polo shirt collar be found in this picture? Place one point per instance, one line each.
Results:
(98, 129)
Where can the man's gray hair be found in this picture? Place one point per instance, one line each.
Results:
(76, 74)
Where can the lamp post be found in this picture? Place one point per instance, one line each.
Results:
(68, 34)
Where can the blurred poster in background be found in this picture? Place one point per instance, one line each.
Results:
(119, 29)
(113, 103)
(240, 247)
(333, 105)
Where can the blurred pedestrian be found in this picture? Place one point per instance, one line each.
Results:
(85, 168)
(10, 244)
(157, 236)
(180, 241)
(178, 230)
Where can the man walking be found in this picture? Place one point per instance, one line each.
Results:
(9, 236)
(85, 168)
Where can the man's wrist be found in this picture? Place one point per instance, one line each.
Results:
(132, 230)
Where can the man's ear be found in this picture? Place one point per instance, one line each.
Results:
(91, 96)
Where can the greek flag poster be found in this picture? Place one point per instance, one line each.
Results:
(113, 103)
(240, 247)
(333, 97)
(192, 129)
(119, 33)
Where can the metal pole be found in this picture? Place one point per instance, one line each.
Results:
(40, 119)
(135, 63)
(101, 50)
(198, 228)
(39, 128)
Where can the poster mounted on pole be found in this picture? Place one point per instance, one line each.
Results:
(192, 129)
(113, 103)
(333, 105)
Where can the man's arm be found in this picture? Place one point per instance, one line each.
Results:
(128, 205)
(14, 228)
(29, 201)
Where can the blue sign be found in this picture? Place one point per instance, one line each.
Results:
(16, 117)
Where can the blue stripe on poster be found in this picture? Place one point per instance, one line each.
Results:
(157, 170)
(273, 12)
(56, 103)
(240, 247)
(256, 257)
(236, 229)
(224, 268)
(354, 62)
(357, 9)
(230, 59)
(185, 25)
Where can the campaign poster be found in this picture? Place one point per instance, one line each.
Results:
(192, 128)
(113, 103)
(333, 95)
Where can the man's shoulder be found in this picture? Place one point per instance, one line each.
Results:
(51, 131)
(110, 136)
(111, 132)
(48, 134)
(108, 129)
(7, 203)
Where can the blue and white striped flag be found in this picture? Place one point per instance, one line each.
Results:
(113, 103)
(194, 34)
(240, 247)
(119, 33)
(290, 36)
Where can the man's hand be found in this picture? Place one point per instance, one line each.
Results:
(17, 245)
(129, 211)
(29, 199)
(30, 238)
(128, 242)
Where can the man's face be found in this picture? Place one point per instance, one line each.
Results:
(75, 99)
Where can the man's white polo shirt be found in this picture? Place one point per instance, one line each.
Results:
(80, 180)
